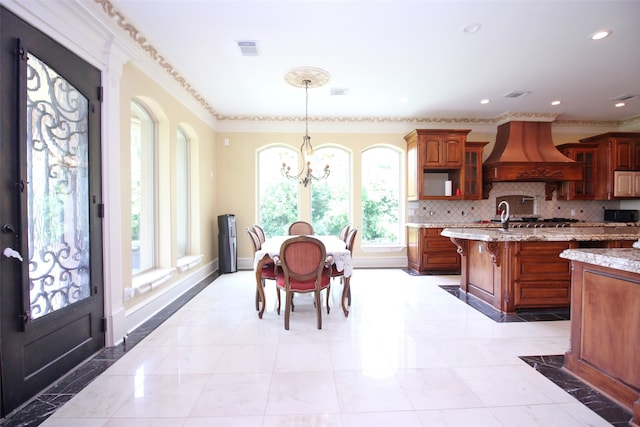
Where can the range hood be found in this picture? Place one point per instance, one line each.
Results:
(524, 151)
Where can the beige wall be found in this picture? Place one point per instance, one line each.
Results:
(236, 178)
(170, 114)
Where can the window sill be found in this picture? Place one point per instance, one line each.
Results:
(146, 282)
(396, 247)
(188, 262)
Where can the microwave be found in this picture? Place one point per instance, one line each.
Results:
(620, 215)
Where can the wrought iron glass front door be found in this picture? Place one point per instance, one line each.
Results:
(57, 191)
(51, 287)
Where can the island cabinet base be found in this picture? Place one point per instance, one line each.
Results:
(515, 275)
(605, 332)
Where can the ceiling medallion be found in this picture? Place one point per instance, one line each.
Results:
(301, 76)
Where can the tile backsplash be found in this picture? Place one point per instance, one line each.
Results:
(425, 211)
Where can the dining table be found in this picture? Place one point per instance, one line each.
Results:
(336, 251)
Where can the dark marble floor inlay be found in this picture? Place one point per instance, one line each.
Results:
(552, 367)
(34, 412)
(523, 315)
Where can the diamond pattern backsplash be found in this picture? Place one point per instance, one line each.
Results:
(461, 211)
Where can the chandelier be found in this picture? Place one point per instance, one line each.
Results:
(306, 77)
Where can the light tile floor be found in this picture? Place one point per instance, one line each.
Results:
(409, 354)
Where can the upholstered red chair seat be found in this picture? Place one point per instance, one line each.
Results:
(269, 271)
(304, 285)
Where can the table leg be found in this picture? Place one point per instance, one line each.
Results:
(346, 293)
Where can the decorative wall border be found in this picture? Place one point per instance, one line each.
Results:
(110, 10)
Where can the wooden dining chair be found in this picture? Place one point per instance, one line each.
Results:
(300, 228)
(303, 270)
(260, 232)
(268, 268)
(344, 232)
(349, 240)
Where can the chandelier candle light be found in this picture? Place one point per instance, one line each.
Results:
(306, 78)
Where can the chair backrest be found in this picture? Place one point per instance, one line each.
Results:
(303, 259)
(255, 240)
(344, 232)
(300, 228)
(351, 237)
(260, 232)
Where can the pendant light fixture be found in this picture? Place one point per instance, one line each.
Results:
(306, 78)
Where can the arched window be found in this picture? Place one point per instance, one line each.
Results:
(381, 185)
(277, 196)
(331, 197)
(143, 192)
(182, 194)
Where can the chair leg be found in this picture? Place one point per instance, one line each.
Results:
(328, 293)
(278, 293)
(318, 309)
(349, 296)
(287, 309)
(258, 296)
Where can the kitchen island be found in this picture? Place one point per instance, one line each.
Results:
(522, 268)
(605, 322)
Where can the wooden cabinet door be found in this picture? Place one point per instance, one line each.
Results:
(586, 154)
(623, 155)
(585, 189)
(636, 184)
(431, 151)
(452, 152)
(473, 170)
(623, 184)
(442, 151)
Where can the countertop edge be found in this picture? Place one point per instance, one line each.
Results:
(619, 259)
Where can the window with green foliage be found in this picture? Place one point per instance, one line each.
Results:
(381, 196)
(277, 196)
(143, 194)
(331, 197)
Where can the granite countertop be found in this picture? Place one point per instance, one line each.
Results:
(619, 259)
(452, 224)
(544, 234)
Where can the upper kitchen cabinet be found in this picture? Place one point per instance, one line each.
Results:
(435, 163)
(473, 170)
(586, 154)
(617, 151)
(441, 148)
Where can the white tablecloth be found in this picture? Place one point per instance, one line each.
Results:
(333, 245)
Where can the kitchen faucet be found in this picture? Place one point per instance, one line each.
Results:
(504, 214)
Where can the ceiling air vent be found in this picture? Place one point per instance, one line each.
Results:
(516, 94)
(248, 47)
(339, 91)
(625, 98)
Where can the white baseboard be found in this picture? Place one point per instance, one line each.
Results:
(139, 314)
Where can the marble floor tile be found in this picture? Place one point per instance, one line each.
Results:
(411, 353)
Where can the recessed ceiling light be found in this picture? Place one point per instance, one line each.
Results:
(599, 35)
(485, 101)
(472, 28)
(404, 99)
(619, 104)
(556, 102)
